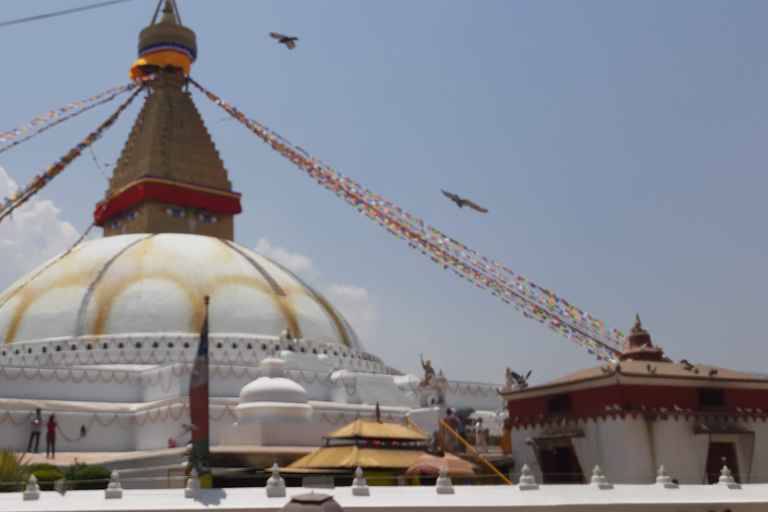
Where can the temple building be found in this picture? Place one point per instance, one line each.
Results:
(639, 413)
(106, 335)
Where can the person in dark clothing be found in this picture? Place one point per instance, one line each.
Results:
(37, 426)
(50, 437)
(450, 443)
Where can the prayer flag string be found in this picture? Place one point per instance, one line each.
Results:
(61, 114)
(532, 300)
(21, 196)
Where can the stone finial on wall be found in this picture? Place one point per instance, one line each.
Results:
(444, 484)
(599, 480)
(32, 491)
(527, 481)
(663, 479)
(726, 479)
(359, 485)
(193, 489)
(275, 484)
(114, 490)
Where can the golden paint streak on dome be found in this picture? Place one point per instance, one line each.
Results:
(29, 296)
(109, 293)
(331, 312)
(327, 307)
(284, 304)
(323, 302)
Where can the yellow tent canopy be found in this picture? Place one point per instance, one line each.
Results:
(352, 456)
(373, 429)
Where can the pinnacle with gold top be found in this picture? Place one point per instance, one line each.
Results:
(169, 177)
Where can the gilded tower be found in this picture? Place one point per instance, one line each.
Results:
(169, 177)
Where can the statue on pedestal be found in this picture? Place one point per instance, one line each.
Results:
(432, 386)
(429, 372)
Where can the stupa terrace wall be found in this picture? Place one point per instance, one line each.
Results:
(132, 427)
(163, 349)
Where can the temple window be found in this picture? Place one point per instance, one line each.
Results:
(711, 399)
(133, 215)
(559, 404)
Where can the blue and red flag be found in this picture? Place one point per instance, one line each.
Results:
(200, 458)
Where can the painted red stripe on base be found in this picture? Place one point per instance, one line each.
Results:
(169, 194)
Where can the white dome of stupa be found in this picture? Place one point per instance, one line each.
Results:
(132, 284)
(273, 397)
(272, 386)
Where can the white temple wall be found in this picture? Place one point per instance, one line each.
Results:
(471, 394)
(760, 455)
(630, 450)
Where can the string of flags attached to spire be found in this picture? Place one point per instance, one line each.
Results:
(61, 114)
(534, 301)
(22, 195)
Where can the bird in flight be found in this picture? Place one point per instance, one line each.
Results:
(287, 41)
(463, 202)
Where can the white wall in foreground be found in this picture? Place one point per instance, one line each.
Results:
(556, 498)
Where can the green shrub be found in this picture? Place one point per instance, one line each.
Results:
(91, 477)
(72, 470)
(37, 467)
(13, 466)
(46, 477)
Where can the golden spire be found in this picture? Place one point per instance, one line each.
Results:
(169, 177)
(638, 326)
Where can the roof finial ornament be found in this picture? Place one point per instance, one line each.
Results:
(170, 13)
(638, 326)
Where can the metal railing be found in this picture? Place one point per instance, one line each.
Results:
(445, 429)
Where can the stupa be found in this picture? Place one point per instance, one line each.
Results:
(106, 336)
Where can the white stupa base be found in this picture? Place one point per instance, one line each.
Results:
(274, 433)
(273, 411)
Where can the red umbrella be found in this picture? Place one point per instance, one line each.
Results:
(430, 465)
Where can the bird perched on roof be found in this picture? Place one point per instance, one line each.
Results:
(687, 366)
(522, 382)
(290, 42)
(463, 202)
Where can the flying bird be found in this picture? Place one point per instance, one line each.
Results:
(463, 202)
(287, 41)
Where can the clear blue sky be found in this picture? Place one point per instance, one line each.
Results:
(619, 146)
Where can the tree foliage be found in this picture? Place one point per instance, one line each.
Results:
(13, 468)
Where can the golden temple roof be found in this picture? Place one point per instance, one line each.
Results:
(372, 429)
(352, 456)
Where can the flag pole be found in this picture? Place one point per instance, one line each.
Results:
(200, 456)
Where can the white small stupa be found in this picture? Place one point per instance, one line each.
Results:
(273, 411)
